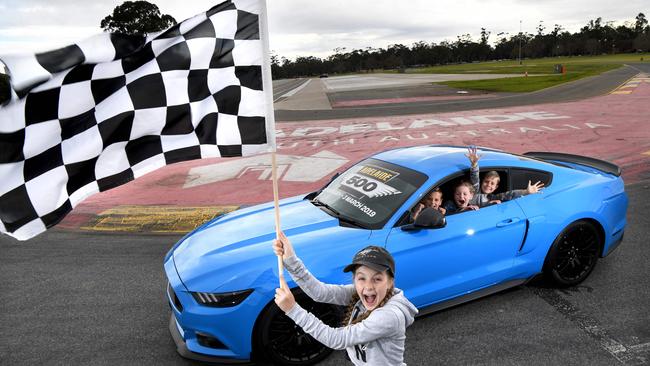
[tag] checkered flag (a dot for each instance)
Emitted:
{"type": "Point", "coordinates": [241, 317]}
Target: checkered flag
{"type": "Point", "coordinates": [92, 116]}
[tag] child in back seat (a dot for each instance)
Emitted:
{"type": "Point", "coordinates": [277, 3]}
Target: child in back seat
{"type": "Point", "coordinates": [485, 191]}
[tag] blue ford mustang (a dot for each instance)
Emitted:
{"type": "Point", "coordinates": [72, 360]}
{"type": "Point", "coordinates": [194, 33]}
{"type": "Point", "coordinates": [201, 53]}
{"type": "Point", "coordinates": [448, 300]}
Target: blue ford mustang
{"type": "Point", "coordinates": [222, 276]}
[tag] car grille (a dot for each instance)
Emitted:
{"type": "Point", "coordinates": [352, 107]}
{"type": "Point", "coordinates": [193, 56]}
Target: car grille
{"type": "Point", "coordinates": [174, 298]}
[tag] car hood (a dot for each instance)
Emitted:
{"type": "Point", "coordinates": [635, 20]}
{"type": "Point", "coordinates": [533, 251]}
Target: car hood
{"type": "Point", "coordinates": [234, 252]}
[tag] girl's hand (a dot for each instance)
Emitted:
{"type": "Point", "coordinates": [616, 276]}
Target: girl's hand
{"type": "Point", "coordinates": [283, 297]}
{"type": "Point", "coordinates": [534, 188]}
{"type": "Point", "coordinates": [472, 155]}
{"type": "Point", "coordinates": [442, 210]}
{"type": "Point", "coordinates": [283, 247]}
{"type": "Point", "coordinates": [471, 208]}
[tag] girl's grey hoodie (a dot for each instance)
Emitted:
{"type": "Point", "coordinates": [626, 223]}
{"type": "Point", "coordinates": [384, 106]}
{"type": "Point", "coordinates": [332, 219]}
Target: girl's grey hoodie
{"type": "Point", "coordinates": [377, 340]}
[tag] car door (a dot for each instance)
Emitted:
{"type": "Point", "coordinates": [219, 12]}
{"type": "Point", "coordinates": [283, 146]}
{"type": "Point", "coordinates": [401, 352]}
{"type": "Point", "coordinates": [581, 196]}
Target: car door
{"type": "Point", "coordinates": [475, 249]}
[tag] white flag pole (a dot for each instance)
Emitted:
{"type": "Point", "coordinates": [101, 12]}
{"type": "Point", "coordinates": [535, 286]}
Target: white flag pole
{"type": "Point", "coordinates": [268, 87]}
{"type": "Point", "coordinates": [274, 173]}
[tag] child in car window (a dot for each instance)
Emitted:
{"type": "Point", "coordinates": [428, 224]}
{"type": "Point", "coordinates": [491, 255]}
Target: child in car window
{"type": "Point", "coordinates": [463, 198]}
{"type": "Point", "coordinates": [485, 191]}
{"type": "Point", "coordinates": [433, 200]}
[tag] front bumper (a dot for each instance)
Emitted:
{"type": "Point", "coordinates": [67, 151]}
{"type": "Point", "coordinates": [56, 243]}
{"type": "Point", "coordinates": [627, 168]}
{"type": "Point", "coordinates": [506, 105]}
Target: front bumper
{"type": "Point", "coordinates": [181, 348]}
{"type": "Point", "coordinates": [191, 324]}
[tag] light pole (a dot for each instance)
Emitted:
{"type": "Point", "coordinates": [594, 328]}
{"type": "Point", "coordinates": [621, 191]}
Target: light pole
{"type": "Point", "coordinates": [520, 42]}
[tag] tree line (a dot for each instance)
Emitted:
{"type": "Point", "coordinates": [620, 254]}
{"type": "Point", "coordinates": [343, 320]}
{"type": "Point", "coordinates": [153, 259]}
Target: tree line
{"type": "Point", "coordinates": [595, 38]}
{"type": "Point", "coordinates": [131, 17]}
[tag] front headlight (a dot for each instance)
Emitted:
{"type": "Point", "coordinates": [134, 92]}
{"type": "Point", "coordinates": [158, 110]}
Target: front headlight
{"type": "Point", "coordinates": [222, 300]}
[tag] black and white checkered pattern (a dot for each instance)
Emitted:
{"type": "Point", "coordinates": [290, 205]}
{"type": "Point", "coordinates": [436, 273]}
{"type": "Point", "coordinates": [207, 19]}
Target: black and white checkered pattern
{"type": "Point", "coordinates": [95, 115]}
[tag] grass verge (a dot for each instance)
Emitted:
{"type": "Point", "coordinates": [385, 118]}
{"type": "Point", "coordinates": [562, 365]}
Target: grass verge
{"type": "Point", "coordinates": [541, 71]}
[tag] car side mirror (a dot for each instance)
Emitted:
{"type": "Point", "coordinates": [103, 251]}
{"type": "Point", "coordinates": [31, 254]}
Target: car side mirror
{"type": "Point", "coordinates": [428, 218]}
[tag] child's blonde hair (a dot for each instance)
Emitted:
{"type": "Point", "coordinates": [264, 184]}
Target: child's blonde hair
{"type": "Point", "coordinates": [492, 174]}
{"type": "Point", "coordinates": [466, 184]}
{"type": "Point", "coordinates": [435, 190]}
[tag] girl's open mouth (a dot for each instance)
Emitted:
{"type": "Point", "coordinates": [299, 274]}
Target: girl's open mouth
{"type": "Point", "coordinates": [370, 300]}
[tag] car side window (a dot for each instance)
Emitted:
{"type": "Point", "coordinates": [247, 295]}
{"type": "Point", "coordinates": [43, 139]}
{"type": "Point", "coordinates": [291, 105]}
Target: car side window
{"type": "Point", "coordinates": [448, 187]}
{"type": "Point", "coordinates": [503, 179]}
{"type": "Point", "coordinates": [519, 178]}
{"type": "Point", "coordinates": [408, 217]}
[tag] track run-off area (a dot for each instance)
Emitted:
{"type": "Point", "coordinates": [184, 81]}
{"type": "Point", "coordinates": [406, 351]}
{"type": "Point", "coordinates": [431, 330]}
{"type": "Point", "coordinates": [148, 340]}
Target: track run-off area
{"type": "Point", "coordinates": [91, 291]}
{"type": "Point", "coordinates": [612, 127]}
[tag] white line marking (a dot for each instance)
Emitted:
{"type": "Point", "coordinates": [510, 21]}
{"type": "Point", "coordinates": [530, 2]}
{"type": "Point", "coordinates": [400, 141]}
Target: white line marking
{"type": "Point", "coordinates": [295, 90]}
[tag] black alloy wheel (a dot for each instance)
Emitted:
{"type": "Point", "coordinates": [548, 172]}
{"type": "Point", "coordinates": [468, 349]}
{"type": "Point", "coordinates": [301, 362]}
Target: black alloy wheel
{"type": "Point", "coordinates": [282, 342]}
{"type": "Point", "coordinates": [573, 255]}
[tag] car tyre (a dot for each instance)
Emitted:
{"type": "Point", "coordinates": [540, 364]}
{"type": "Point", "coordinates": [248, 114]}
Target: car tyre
{"type": "Point", "coordinates": [280, 341]}
{"type": "Point", "coordinates": [573, 255]}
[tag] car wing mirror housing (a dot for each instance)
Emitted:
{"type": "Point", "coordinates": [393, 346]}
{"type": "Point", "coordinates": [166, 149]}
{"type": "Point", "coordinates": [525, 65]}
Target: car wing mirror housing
{"type": "Point", "coordinates": [428, 218]}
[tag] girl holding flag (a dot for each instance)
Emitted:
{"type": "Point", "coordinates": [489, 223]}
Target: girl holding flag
{"type": "Point", "coordinates": [373, 331]}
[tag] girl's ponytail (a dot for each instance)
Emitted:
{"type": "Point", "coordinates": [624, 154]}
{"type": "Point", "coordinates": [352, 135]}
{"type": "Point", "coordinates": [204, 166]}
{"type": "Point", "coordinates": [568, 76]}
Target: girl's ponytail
{"type": "Point", "coordinates": [350, 309]}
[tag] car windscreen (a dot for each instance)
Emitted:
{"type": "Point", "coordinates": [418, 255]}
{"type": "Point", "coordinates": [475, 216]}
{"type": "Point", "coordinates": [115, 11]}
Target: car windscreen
{"type": "Point", "coordinates": [369, 193]}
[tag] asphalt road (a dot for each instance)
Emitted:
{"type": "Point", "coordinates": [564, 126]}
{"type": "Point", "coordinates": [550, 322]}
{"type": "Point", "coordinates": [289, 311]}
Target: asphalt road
{"type": "Point", "coordinates": [282, 87]}
{"type": "Point", "coordinates": [70, 298]}
{"type": "Point", "coordinates": [581, 89]}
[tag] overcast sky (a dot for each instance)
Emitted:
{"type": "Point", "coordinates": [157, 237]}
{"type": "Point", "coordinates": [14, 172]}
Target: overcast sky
{"type": "Point", "coordinates": [316, 27]}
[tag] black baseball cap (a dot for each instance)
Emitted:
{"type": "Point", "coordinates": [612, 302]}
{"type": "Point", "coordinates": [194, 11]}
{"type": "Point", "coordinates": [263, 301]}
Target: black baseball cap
{"type": "Point", "coordinates": [374, 257]}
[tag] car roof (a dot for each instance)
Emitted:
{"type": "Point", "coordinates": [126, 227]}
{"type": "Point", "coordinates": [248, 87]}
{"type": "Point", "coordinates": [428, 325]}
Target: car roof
{"type": "Point", "coordinates": [435, 159]}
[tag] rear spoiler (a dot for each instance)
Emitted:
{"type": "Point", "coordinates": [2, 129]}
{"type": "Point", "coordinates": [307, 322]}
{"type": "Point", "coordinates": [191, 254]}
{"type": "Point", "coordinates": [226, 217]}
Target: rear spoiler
{"type": "Point", "coordinates": [601, 165]}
